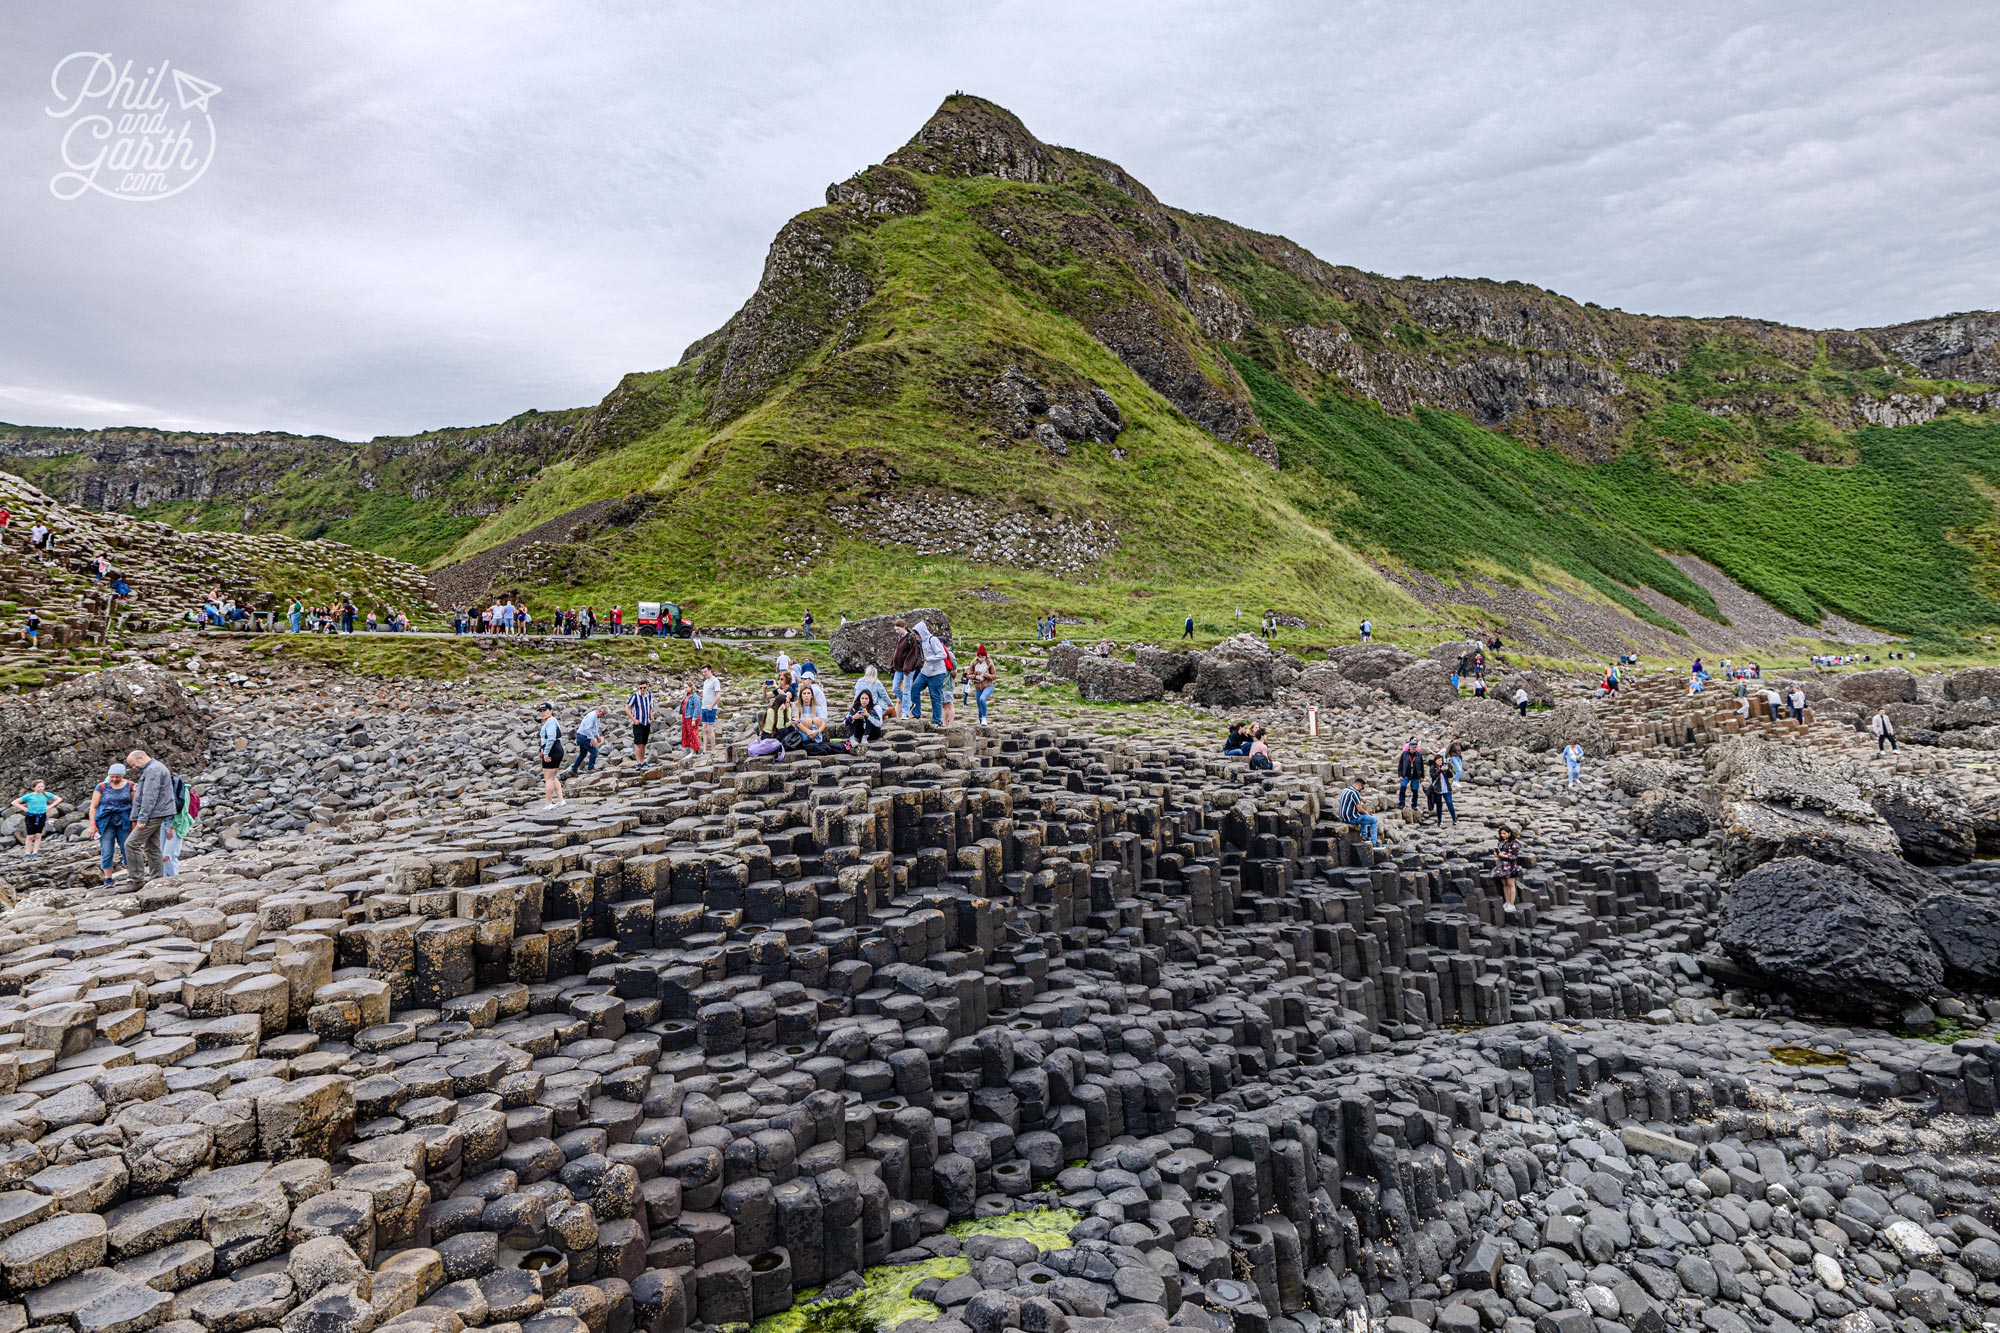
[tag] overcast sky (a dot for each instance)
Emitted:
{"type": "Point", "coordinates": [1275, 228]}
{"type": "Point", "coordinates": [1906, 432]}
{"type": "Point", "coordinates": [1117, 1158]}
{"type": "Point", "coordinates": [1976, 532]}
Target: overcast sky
{"type": "Point", "coordinates": [425, 214]}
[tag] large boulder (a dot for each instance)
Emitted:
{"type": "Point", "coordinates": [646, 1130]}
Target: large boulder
{"type": "Point", "coordinates": [1173, 669]}
{"type": "Point", "coordinates": [69, 733]}
{"type": "Point", "coordinates": [1242, 669]}
{"type": "Point", "coordinates": [1370, 663]}
{"type": "Point", "coordinates": [1933, 822]}
{"type": "Point", "coordinates": [1636, 777]}
{"type": "Point", "coordinates": [1830, 937]}
{"type": "Point", "coordinates": [1424, 686]}
{"type": "Point", "coordinates": [1872, 689]}
{"type": "Point", "coordinates": [1768, 798]}
{"type": "Point", "coordinates": [1063, 658]}
{"type": "Point", "coordinates": [1965, 931]}
{"type": "Point", "coordinates": [1485, 723]}
{"type": "Point", "coordinates": [1230, 682]}
{"type": "Point", "coordinates": [1554, 728]}
{"type": "Point", "coordinates": [1323, 685]}
{"type": "Point", "coordinates": [1661, 815]}
{"type": "Point", "coordinates": [1104, 680]}
{"type": "Point", "coordinates": [1978, 683]}
{"type": "Point", "coordinates": [872, 642]}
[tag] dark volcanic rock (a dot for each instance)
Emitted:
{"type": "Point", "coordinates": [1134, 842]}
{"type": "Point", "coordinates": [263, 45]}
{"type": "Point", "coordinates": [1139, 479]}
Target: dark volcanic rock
{"type": "Point", "coordinates": [1666, 816]}
{"type": "Point", "coordinates": [1875, 688]}
{"type": "Point", "coordinates": [1100, 680]}
{"type": "Point", "coordinates": [1932, 829]}
{"type": "Point", "coordinates": [1173, 669]}
{"type": "Point", "coordinates": [1826, 934]}
{"type": "Point", "coordinates": [70, 733]}
{"type": "Point", "coordinates": [1230, 682]}
{"type": "Point", "coordinates": [1966, 933]}
{"type": "Point", "coordinates": [1424, 686]}
{"type": "Point", "coordinates": [872, 642]}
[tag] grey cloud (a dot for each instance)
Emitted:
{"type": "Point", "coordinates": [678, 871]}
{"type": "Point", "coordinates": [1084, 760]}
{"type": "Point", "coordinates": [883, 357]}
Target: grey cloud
{"type": "Point", "coordinates": [445, 213]}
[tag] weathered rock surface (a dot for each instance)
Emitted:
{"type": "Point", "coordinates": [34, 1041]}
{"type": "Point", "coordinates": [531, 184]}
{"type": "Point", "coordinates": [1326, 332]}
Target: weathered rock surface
{"type": "Point", "coordinates": [1965, 930]}
{"type": "Point", "coordinates": [69, 733]}
{"type": "Point", "coordinates": [872, 641]}
{"type": "Point", "coordinates": [1667, 816]}
{"type": "Point", "coordinates": [1826, 934]}
{"type": "Point", "coordinates": [1105, 680]}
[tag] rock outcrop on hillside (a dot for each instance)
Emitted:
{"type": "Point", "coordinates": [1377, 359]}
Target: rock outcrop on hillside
{"type": "Point", "coordinates": [68, 734]}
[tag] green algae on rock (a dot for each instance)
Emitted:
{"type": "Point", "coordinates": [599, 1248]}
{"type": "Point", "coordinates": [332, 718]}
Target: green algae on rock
{"type": "Point", "coordinates": [885, 1299]}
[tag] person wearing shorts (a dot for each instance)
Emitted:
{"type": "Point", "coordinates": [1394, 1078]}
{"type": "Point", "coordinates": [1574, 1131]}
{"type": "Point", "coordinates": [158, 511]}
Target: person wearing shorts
{"type": "Point", "coordinates": [35, 805]}
{"type": "Point", "coordinates": [640, 709]}
{"type": "Point", "coordinates": [550, 739]}
{"type": "Point", "coordinates": [711, 699]}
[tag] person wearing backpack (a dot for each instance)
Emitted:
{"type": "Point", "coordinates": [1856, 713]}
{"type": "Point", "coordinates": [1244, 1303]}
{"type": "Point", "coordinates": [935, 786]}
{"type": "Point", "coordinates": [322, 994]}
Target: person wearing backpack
{"type": "Point", "coordinates": [187, 807]}
{"type": "Point", "coordinates": [153, 810]}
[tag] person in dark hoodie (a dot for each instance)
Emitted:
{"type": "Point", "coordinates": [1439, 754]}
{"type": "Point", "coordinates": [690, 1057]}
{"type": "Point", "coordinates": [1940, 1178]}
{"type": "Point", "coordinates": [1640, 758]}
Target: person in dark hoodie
{"type": "Point", "coordinates": [904, 664]}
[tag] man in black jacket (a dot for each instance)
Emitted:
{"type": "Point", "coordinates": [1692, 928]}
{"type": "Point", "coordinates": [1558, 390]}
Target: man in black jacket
{"type": "Point", "coordinates": [1410, 776]}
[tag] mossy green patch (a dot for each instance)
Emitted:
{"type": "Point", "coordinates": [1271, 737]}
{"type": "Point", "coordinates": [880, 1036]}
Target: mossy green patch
{"type": "Point", "coordinates": [885, 1299]}
{"type": "Point", "coordinates": [1802, 1057]}
{"type": "Point", "coordinates": [1048, 1228]}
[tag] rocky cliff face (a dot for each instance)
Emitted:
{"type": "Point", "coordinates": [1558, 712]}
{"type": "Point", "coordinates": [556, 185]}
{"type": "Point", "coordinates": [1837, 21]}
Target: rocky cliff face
{"type": "Point", "coordinates": [128, 468]}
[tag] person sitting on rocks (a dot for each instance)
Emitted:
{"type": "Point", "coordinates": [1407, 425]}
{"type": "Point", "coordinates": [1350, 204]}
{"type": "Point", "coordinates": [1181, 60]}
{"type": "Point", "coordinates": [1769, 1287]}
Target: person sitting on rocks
{"type": "Point", "coordinates": [1507, 864]}
{"type": "Point", "coordinates": [1260, 754]}
{"type": "Point", "coordinates": [1237, 742]}
{"type": "Point", "coordinates": [1351, 812]}
{"type": "Point", "coordinates": [811, 715]}
{"type": "Point", "coordinates": [774, 719]}
{"type": "Point", "coordinates": [866, 711]}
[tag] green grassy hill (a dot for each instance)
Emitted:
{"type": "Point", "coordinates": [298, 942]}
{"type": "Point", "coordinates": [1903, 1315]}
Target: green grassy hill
{"type": "Point", "coordinates": [1001, 376]}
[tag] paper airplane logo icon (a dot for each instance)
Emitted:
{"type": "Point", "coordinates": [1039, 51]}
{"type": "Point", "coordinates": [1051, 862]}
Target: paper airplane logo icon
{"type": "Point", "coordinates": [194, 93]}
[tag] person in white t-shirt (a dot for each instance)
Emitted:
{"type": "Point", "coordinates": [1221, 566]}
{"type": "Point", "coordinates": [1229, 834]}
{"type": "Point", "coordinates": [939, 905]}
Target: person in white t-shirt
{"type": "Point", "coordinates": [711, 698]}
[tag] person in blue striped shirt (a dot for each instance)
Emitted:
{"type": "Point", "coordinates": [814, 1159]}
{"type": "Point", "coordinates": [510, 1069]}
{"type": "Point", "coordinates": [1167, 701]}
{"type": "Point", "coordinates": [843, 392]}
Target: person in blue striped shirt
{"type": "Point", "coordinates": [640, 709]}
{"type": "Point", "coordinates": [1352, 813]}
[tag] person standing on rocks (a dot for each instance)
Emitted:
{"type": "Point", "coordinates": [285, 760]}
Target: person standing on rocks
{"type": "Point", "coordinates": [1351, 812]}
{"type": "Point", "coordinates": [1572, 757]}
{"type": "Point", "coordinates": [35, 805]}
{"type": "Point", "coordinates": [549, 740]}
{"type": "Point", "coordinates": [711, 701]}
{"type": "Point", "coordinates": [691, 720]}
{"type": "Point", "coordinates": [904, 663]}
{"type": "Point", "coordinates": [933, 673]}
{"type": "Point", "coordinates": [1795, 702]}
{"type": "Point", "coordinates": [1884, 729]}
{"type": "Point", "coordinates": [109, 819]}
{"type": "Point", "coordinates": [588, 728]}
{"type": "Point", "coordinates": [984, 676]}
{"type": "Point", "coordinates": [1439, 789]}
{"type": "Point", "coordinates": [1507, 864]}
{"type": "Point", "coordinates": [1410, 776]}
{"type": "Point", "coordinates": [1455, 752]}
{"type": "Point", "coordinates": [154, 805]}
{"type": "Point", "coordinates": [640, 709]}
{"type": "Point", "coordinates": [1521, 700]}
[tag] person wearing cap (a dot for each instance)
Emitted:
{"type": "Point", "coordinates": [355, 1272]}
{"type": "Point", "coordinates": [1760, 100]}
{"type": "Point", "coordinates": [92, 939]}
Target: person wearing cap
{"type": "Point", "coordinates": [551, 744]}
